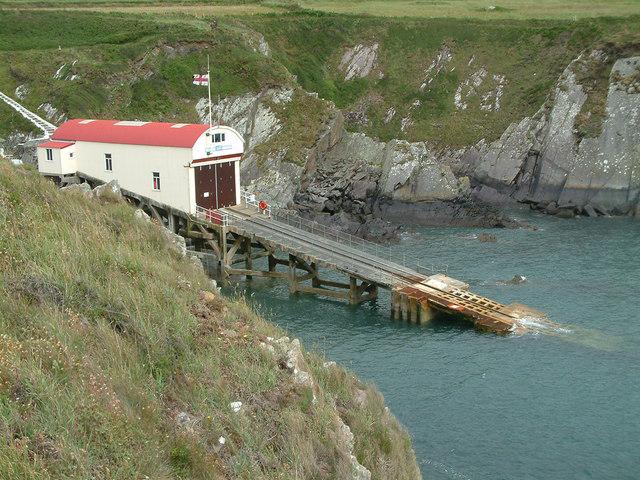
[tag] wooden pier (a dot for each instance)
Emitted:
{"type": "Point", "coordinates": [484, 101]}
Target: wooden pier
{"type": "Point", "coordinates": [302, 252]}
{"type": "Point", "coordinates": [302, 257]}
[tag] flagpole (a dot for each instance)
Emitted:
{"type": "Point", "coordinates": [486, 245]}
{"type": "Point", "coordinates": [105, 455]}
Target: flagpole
{"type": "Point", "coordinates": [209, 89]}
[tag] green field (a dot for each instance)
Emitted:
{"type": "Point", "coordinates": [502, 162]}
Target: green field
{"type": "Point", "coordinates": [479, 9]}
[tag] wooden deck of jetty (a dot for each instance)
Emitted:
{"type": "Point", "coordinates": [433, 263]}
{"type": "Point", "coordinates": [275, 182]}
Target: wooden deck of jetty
{"type": "Point", "coordinates": [300, 253]}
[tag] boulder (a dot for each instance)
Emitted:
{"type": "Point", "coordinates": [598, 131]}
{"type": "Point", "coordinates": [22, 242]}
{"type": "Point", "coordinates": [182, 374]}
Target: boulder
{"type": "Point", "coordinates": [487, 238]}
{"type": "Point", "coordinates": [600, 209]}
{"type": "Point", "coordinates": [108, 191]}
{"type": "Point", "coordinates": [83, 188]}
{"type": "Point", "coordinates": [294, 361]}
{"type": "Point", "coordinates": [590, 211]}
{"type": "Point", "coordinates": [176, 242]}
{"type": "Point", "coordinates": [516, 280]}
{"type": "Point", "coordinates": [565, 213]}
{"type": "Point", "coordinates": [141, 214]}
{"type": "Point", "coordinates": [552, 208]}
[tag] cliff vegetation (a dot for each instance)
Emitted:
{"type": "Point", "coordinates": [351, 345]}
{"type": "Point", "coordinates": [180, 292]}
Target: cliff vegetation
{"type": "Point", "coordinates": [119, 360]}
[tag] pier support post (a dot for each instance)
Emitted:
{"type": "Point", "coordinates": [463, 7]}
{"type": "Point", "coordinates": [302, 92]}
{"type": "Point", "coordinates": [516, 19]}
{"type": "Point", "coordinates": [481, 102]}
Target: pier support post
{"type": "Point", "coordinates": [413, 309]}
{"type": "Point", "coordinates": [315, 281]}
{"type": "Point", "coordinates": [272, 263]}
{"type": "Point", "coordinates": [224, 276]}
{"type": "Point", "coordinates": [292, 274]}
{"type": "Point", "coordinates": [172, 223]}
{"type": "Point", "coordinates": [426, 312]}
{"type": "Point", "coordinates": [248, 258]}
{"type": "Point", "coordinates": [354, 293]}
{"type": "Point", "coordinates": [404, 307]}
{"type": "Point", "coordinates": [395, 305]}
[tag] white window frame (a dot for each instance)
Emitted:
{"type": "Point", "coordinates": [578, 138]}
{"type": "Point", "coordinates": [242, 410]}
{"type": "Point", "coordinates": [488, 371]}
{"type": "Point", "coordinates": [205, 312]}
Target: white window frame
{"type": "Point", "coordinates": [49, 153]}
{"type": "Point", "coordinates": [155, 175]}
{"type": "Point", "coordinates": [108, 162]}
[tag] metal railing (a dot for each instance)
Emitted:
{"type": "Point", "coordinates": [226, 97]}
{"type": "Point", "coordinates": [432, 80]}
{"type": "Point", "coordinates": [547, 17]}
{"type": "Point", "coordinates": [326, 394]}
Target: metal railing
{"type": "Point", "coordinates": [378, 250]}
{"type": "Point", "coordinates": [212, 216]}
{"type": "Point", "coordinates": [249, 199]}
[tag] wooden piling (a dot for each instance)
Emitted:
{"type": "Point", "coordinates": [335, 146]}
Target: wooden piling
{"type": "Point", "coordinates": [248, 258]}
{"type": "Point", "coordinates": [395, 305]}
{"type": "Point", "coordinates": [293, 284]}
{"type": "Point", "coordinates": [404, 307]}
{"type": "Point", "coordinates": [354, 294]}
{"type": "Point", "coordinates": [413, 310]}
{"type": "Point", "coordinates": [426, 312]}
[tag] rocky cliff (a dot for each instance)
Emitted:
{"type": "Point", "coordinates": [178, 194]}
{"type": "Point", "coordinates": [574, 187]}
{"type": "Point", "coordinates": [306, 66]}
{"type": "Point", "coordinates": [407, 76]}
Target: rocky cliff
{"type": "Point", "coordinates": [357, 182]}
{"type": "Point", "coordinates": [545, 160]}
{"type": "Point", "coordinates": [414, 122]}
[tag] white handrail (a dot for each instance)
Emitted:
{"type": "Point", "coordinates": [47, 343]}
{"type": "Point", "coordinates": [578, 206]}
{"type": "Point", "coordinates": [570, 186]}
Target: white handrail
{"type": "Point", "coordinates": [249, 199]}
{"type": "Point", "coordinates": [212, 216]}
{"type": "Point", "coordinates": [378, 250]}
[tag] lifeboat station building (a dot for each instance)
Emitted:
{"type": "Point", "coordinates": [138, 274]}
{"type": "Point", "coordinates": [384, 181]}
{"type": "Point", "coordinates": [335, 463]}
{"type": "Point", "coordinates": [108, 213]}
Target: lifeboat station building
{"type": "Point", "coordinates": [175, 165]}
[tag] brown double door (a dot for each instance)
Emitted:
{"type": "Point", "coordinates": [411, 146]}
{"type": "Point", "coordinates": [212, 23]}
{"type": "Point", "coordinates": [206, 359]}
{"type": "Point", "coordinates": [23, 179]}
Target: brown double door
{"type": "Point", "coordinates": [216, 185]}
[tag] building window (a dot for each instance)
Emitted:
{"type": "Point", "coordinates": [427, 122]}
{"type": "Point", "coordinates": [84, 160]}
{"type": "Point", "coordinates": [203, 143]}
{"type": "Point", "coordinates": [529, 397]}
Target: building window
{"type": "Point", "coordinates": [49, 154]}
{"type": "Point", "coordinates": [218, 137]}
{"type": "Point", "coordinates": [156, 180]}
{"type": "Point", "coordinates": [108, 164]}
{"type": "Point", "coordinates": [70, 154]}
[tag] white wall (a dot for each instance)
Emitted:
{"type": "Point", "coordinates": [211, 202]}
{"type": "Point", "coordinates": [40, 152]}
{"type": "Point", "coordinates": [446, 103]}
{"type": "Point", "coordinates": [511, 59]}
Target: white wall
{"type": "Point", "coordinates": [63, 163]}
{"type": "Point", "coordinates": [206, 148]}
{"type": "Point", "coordinates": [133, 167]}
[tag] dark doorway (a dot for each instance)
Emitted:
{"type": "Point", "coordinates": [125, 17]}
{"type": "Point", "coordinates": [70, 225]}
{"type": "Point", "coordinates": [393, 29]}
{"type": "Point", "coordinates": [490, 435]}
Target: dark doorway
{"type": "Point", "coordinates": [226, 181]}
{"type": "Point", "coordinates": [215, 185]}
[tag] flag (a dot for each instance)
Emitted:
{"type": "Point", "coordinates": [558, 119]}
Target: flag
{"type": "Point", "coordinates": [202, 80]}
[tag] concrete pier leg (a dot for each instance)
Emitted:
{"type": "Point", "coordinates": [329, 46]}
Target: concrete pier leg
{"type": "Point", "coordinates": [404, 307]}
{"type": "Point", "coordinates": [354, 296]}
{"type": "Point", "coordinates": [292, 274]}
{"type": "Point", "coordinates": [315, 281]}
{"type": "Point", "coordinates": [224, 276]}
{"type": "Point", "coordinates": [173, 224]}
{"type": "Point", "coordinates": [426, 313]}
{"type": "Point", "coordinates": [413, 310]}
{"type": "Point", "coordinates": [395, 305]}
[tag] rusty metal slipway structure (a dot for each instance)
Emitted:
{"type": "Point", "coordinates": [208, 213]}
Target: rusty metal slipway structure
{"type": "Point", "coordinates": [303, 252]}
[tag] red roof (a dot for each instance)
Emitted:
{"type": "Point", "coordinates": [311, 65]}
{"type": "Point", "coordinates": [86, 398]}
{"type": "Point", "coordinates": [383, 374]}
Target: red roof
{"type": "Point", "coordinates": [130, 133]}
{"type": "Point", "coordinates": [54, 144]}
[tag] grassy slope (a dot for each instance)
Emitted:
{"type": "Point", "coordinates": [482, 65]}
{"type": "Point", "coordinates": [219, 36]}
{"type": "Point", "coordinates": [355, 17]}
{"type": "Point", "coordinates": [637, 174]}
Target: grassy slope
{"type": "Point", "coordinates": [105, 338]}
{"type": "Point", "coordinates": [530, 54]}
{"type": "Point", "coordinates": [126, 71]}
{"type": "Point", "coordinates": [123, 70]}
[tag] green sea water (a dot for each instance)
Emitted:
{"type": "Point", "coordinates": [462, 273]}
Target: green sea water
{"type": "Point", "coordinates": [559, 402]}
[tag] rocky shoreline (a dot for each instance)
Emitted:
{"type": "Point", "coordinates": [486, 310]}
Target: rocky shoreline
{"type": "Point", "coordinates": [371, 188]}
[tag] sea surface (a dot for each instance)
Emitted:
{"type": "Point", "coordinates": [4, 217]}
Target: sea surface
{"type": "Point", "coordinates": [560, 402]}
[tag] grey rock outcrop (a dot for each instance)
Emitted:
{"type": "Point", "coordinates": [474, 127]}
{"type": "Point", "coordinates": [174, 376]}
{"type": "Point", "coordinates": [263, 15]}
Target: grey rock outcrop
{"type": "Point", "coordinates": [82, 188]}
{"type": "Point", "coordinates": [359, 61]}
{"type": "Point", "coordinates": [253, 115]}
{"type": "Point", "coordinates": [412, 173]}
{"type": "Point", "coordinates": [110, 191]}
{"type": "Point", "coordinates": [543, 159]}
